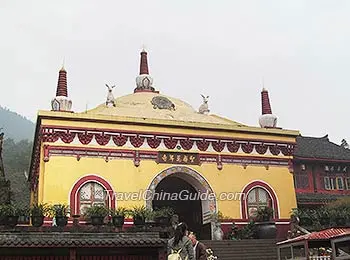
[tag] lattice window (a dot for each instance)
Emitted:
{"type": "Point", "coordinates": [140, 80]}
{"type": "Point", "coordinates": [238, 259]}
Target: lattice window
{"type": "Point", "coordinates": [347, 182]}
{"type": "Point", "coordinates": [301, 180]}
{"type": "Point", "coordinates": [257, 198]}
{"type": "Point", "coordinates": [340, 183]}
{"type": "Point", "coordinates": [91, 194]}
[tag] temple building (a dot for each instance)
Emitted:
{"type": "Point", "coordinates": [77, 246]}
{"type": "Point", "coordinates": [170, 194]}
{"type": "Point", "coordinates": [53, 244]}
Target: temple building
{"type": "Point", "coordinates": [149, 144]}
{"type": "Point", "coordinates": [321, 171]}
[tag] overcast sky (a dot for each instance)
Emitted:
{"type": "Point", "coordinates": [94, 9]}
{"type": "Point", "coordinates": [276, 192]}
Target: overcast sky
{"type": "Point", "coordinates": [219, 48]}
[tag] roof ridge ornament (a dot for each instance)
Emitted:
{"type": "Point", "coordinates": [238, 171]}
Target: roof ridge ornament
{"type": "Point", "coordinates": [267, 119]}
{"type": "Point", "coordinates": [110, 97]}
{"type": "Point", "coordinates": [61, 102]}
{"type": "Point", "coordinates": [204, 107]}
{"type": "Point", "coordinates": [144, 81]}
{"type": "Point", "coordinates": [162, 102]}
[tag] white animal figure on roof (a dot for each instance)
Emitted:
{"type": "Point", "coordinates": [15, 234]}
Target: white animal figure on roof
{"type": "Point", "coordinates": [110, 98]}
{"type": "Point", "coordinates": [204, 108]}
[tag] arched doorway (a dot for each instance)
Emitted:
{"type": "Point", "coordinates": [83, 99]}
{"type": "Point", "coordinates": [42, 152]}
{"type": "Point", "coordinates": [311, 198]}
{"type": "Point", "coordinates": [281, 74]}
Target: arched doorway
{"type": "Point", "coordinates": [196, 201]}
{"type": "Point", "coordinates": [180, 195]}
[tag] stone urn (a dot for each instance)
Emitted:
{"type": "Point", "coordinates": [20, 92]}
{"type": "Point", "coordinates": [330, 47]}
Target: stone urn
{"type": "Point", "coordinates": [218, 234]}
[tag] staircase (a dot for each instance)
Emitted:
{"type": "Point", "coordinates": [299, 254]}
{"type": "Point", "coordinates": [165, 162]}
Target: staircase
{"type": "Point", "coordinates": [251, 249]}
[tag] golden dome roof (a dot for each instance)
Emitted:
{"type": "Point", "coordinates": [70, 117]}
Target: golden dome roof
{"type": "Point", "coordinates": [152, 105]}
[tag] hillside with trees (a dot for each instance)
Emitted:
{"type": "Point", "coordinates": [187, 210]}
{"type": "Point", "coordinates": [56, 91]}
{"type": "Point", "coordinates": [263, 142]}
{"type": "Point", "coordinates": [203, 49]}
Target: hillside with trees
{"type": "Point", "coordinates": [15, 126]}
{"type": "Point", "coordinates": [16, 158]}
{"type": "Point", "coordinates": [16, 153]}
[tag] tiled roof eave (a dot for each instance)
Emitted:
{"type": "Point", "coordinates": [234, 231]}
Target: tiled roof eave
{"type": "Point", "coordinates": [35, 239]}
{"type": "Point", "coordinates": [303, 158]}
{"type": "Point", "coordinates": [104, 244]}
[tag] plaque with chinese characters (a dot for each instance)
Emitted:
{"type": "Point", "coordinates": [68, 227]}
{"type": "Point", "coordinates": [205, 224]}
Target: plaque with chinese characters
{"type": "Point", "coordinates": [178, 158]}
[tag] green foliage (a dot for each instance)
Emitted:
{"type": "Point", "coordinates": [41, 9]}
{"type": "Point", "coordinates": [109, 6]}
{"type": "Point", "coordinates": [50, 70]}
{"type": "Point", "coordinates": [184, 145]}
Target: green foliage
{"type": "Point", "coordinates": [343, 203]}
{"type": "Point", "coordinates": [247, 232]}
{"type": "Point", "coordinates": [323, 217]}
{"type": "Point", "coordinates": [164, 212]}
{"type": "Point", "coordinates": [13, 210]}
{"type": "Point", "coordinates": [141, 211]}
{"type": "Point", "coordinates": [219, 217]}
{"type": "Point", "coordinates": [120, 211]}
{"type": "Point", "coordinates": [97, 211]}
{"type": "Point", "coordinates": [59, 210]}
{"type": "Point", "coordinates": [16, 159]}
{"type": "Point", "coordinates": [264, 214]}
{"type": "Point", "coordinates": [38, 210]}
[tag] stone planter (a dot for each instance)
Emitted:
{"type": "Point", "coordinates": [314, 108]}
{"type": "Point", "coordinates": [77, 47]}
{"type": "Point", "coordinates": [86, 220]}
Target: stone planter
{"type": "Point", "coordinates": [118, 221]}
{"type": "Point", "coordinates": [266, 230]}
{"type": "Point", "coordinates": [11, 221]}
{"type": "Point", "coordinates": [61, 221]}
{"type": "Point", "coordinates": [97, 220]}
{"type": "Point", "coordinates": [37, 221]}
{"type": "Point", "coordinates": [139, 221]}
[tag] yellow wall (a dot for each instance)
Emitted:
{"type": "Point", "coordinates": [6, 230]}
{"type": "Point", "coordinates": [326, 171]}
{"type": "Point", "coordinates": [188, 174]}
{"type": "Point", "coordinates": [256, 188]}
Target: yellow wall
{"type": "Point", "coordinates": [58, 176]}
{"type": "Point", "coordinates": [62, 172]}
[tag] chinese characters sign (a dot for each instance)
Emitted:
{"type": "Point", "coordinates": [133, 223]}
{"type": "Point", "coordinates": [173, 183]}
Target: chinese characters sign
{"type": "Point", "coordinates": [178, 158]}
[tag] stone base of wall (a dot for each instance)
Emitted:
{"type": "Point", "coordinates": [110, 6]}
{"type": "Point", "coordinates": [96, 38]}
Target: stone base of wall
{"type": "Point", "coordinates": [251, 249]}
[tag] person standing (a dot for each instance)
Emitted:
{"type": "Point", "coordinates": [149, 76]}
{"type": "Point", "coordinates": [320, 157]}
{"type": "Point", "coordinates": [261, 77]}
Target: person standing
{"type": "Point", "coordinates": [180, 244]}
{"type": "Point", "coordinates": [199, 248]}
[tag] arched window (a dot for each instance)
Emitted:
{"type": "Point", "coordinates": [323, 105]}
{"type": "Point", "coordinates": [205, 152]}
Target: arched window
{"type": "Point", "coordinates": [258, 194]}
{"type": "Point", "coordinates": [91, 190]}
{"type": "Point", "coordinates": [91, 194]}
{"type": "Point", "coordinates": [257, 198]}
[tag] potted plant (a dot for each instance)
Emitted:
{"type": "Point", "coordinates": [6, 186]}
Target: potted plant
{"type": "Point", "coordinates": [60, 212]}
{"type": "Point", "coordinates": [139, 214]}
{"type": "Point", "coordinates": [11, 215]}
{"type": "Point", "coordinates": [162, 216]}
{"type": "Point", "coordinates": [265, 227]}
{"type": "Point", "coordinates": [118, 216]}
{"type": "Point", "coordinates": [37, 213]}
{"type": "Point", "coordinates": [97, 214]}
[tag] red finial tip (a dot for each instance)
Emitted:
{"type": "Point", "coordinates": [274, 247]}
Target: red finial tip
{"type": "Point", "coordinates": [62, 83]}
{"type": "Point", "coordinates": [265, 102]}
{"type": "Point", "coordinates": [143, 63]}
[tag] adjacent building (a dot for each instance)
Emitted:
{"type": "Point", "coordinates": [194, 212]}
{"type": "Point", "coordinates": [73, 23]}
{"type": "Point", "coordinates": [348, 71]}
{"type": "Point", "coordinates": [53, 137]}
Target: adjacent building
{"type": "Point", "coordinates": [321, 171]}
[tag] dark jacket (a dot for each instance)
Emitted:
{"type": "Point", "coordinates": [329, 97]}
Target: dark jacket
{"type": "Point", "coordinates": [201, 253]}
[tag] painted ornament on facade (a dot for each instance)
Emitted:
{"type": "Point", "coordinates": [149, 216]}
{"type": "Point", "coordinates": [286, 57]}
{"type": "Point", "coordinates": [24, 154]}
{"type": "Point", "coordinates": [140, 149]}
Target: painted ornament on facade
{"type": "Point", "coordinates": [162, 103]}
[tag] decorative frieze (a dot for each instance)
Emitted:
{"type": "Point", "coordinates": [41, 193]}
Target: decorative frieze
{"type": "Point", "coordinates": [160, 141]}
{"type": "Point", "coordinates": [182, 158]}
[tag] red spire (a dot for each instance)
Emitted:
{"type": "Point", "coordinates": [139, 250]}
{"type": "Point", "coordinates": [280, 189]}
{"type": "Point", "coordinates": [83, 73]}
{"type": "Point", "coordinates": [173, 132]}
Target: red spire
{"type": "Point", "coordinates": [143, 63]}
{"type": "Point", "coordinates": [265, 102]}
{"type": "Point", "coordinates": [62, 83]}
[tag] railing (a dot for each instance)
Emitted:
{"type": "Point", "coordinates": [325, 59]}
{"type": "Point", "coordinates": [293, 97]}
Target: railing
{"type": "Point", "coordinates": [320, 257]}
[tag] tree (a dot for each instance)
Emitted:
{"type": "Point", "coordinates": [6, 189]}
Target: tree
{"type": "Point", "coordinates": [16, 158]}
{"type": "Point", "coordinates": [344, 144]}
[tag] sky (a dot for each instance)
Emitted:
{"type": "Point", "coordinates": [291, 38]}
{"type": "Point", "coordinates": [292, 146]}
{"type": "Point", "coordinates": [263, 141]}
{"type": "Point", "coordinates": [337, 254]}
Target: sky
{"type": "Point", "coordinates": [226, 49]}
